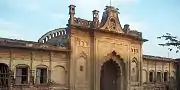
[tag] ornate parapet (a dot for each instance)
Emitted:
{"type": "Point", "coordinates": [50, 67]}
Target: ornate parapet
{"type": "Point", "coordinates": [82, 22]}
{"type": "Point", "coordinates": [134, 33]}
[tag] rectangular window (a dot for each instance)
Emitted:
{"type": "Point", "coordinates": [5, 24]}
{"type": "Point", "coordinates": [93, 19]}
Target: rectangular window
{"type": "Point", "coordinates": [41, 75]}
{"type": "Point", "coordinates": [22, 75]}
{"type": "Point", "coordinates": [165, 76]}
{"type": "Point", "coordinates": [151, 77]}
{"type": "Point", "coordinates": [158, 78]}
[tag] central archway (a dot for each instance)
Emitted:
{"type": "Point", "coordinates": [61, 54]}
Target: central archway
{"type": "Point", "coordinates": [110, 76]}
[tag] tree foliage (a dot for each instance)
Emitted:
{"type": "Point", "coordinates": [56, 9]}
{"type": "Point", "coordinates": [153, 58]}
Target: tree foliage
{"type": "Point", "coordinates": [171, 41]}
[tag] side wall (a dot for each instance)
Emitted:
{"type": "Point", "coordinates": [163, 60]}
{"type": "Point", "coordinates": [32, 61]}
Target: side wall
{"type": "Point", "coordinates": [158, 81]}
{"type": "Point", "coordinates": [55, 62]}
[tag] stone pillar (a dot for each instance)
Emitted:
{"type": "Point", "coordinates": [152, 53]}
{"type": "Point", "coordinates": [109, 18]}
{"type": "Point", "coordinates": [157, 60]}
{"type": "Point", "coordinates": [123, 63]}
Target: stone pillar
{"type": "Point", "coordinates": [11, 74]}
{"type": "Point", "coordinates": [32, 71]}
{"type": "Point", "coordinates": [49, 69]}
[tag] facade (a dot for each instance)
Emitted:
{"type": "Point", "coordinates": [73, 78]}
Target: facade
{"type": "Point", "coordinates": [86, 55]}
{"type": "Point", "coordinates": [159, 73]}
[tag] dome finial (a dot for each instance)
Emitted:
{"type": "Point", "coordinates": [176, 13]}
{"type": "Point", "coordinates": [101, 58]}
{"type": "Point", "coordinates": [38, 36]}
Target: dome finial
{"type": "Point", "coordinates": [110, 2]}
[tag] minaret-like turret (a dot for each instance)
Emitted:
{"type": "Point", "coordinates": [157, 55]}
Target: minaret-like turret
{"type": "Point", "coordinates": [95, 18]}
{"type": "Point", "coordinates": [126, 28]}
{"type": "Point", "coordinates": [71, 13]}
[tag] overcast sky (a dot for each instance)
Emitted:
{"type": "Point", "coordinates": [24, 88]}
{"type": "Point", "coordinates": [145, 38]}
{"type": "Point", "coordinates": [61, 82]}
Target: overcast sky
{"type": "Point", "coordinates": [30, 19]}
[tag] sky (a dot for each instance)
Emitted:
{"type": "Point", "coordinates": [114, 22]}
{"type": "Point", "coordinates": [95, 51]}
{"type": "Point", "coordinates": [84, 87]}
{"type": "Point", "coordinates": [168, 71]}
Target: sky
{"type": "Point", "coordinates": [30, 19]}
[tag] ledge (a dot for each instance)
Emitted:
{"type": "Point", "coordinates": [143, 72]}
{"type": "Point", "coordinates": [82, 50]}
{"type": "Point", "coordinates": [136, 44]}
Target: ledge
{"type": "Point", "coordinates": [13, 43]}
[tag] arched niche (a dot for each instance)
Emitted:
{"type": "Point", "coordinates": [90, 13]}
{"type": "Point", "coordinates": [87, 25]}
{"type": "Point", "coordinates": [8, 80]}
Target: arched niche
{"type": "Point", "coordinates": [144, 75]}
{"type": "Point", "coordinates": [81, 68]}
{"type": "Point", "coordinates": [59, 75]}
{"type": "Point", "coordinates": [151, 76]}
{"type": "Point", "coordinates": [159, 76]}
{"type": "Point", "coordinates": [134, 70]}
{"type": "Point", "coordinates": [165, 75]}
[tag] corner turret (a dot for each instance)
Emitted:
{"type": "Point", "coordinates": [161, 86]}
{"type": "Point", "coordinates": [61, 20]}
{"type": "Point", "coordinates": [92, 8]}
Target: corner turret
{"type": "Point", "coordinates": [95, 18]}
{"type": "Point", "coordinates": [71, 13]}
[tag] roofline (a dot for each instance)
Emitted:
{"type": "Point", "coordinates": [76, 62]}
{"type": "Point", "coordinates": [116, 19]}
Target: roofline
{"type": "Point", "coordinates": [104, 31]}
{"type": "Point", "coordinates": [150, 57]}
{"type": "Point", "coordinates": [13, 43]}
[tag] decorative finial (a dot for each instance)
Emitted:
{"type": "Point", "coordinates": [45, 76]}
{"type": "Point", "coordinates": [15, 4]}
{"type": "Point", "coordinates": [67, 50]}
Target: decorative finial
{"type": "Point", "coordinates": [110, 2]}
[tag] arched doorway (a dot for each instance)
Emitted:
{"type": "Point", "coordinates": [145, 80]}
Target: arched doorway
{"type": "Point", "coordinates": [110, 76]}
{"type": "Point", "coordinates": [4, 76]}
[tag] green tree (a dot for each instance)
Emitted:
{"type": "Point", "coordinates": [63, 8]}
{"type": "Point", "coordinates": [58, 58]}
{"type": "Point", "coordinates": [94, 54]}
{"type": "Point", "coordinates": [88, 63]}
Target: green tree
{"type": "Point", "coordinates": [171, 41]}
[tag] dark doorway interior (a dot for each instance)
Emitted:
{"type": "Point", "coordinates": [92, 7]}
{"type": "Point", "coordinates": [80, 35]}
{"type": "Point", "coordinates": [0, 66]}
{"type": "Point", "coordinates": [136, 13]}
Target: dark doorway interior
{"type": "Point", "coordinates": [109, 76]}
{"type": "Point", "coordinates": [4, 76]}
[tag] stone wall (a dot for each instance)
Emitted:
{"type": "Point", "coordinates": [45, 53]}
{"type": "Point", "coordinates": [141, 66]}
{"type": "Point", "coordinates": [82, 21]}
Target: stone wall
{"type": "Point", "coordinates": [156, 69]}
{"type": "Point", "coordinates": [55, 63]}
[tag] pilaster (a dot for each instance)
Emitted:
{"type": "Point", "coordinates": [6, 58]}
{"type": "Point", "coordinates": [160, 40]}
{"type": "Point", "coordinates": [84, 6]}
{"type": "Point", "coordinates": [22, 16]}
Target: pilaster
{"type": "Point", "coordinates": [31, 70]}
{"type": "Point", "coordinates": [11, 74]}
{"type": "Point", "coordinates": [93, 62]}
{"type": "Point", "coordinates": [50, 68]}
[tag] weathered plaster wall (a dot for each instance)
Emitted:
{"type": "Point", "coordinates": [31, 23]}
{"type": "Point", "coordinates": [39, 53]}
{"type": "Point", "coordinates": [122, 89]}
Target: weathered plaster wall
{"type": "Point", "coordinates": [56, 62]}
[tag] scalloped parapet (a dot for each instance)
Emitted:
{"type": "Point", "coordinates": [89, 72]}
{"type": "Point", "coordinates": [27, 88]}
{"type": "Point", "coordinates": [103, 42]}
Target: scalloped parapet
{"type": "Point", "coordinates": [57, 37]}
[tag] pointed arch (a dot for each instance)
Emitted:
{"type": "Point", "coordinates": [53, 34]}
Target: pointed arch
{"type": "Point", "coordinates": [110, 61]}
{"type": "Point", "coordinates": [134, 70]}
{"type": "Point", "coordinates": [115, 57]}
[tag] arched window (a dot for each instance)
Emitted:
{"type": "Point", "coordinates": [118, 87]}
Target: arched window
{"type": "Point", "coordinates": [134, 70]}
{"type": "Point", "coordinates": [158, 76]}
{"type": "Point", "coordinates": [60, 33]}
{"type": "Point", "coordinates": [63, 32]}
{"type": "Point", "coordinates": [57, 33]}
{"type": "Point", "coordinates": [44, 40]}
{"type": "Point", "coordinates": [22, 74]}
{"type": "Point", "coordinates": [54, 34]}
{"type": "Point", "coordinates": [165, 76]}
{"type": "Point", "coordinates": [4, 72]}
{"type": "Point", "coordinates": [41, 74]}
{"type": "Point", "coordinates": [151, 76]}
{"type": "Point", "coordinates": [174, 74]}
{"type": "Point", "coordinates": [50, 36]}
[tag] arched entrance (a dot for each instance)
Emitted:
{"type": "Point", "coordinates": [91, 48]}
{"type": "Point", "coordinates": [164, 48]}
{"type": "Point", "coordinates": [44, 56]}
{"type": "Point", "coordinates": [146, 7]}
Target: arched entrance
{"type": "Point", "coordinates": [110, 76]}
{"type": "Point", "coordinates": [4, 76]}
